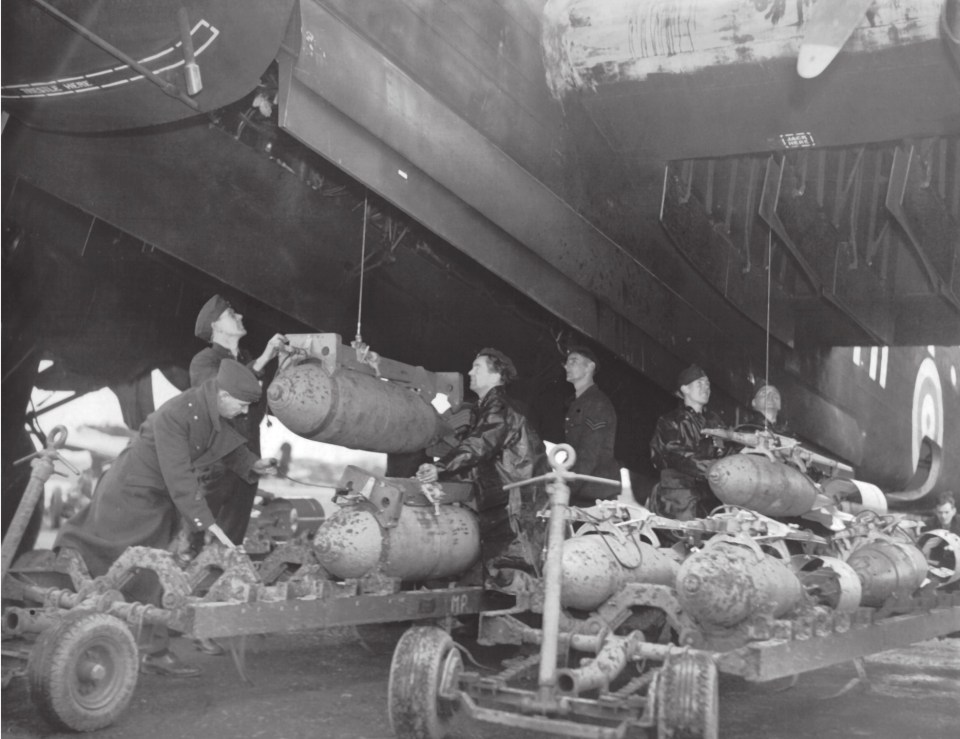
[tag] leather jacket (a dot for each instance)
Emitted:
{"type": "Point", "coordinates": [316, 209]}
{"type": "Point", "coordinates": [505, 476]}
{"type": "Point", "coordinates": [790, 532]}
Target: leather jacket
{"type": "Point", "coordinates": [678, 445]}
{"type": "Point", "coordinates": [500, 447]}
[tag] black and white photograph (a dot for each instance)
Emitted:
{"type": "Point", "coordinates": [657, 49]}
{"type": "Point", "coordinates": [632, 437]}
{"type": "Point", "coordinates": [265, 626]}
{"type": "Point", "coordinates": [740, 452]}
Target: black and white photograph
{"type": "Point", "coordinates": [480, 369]}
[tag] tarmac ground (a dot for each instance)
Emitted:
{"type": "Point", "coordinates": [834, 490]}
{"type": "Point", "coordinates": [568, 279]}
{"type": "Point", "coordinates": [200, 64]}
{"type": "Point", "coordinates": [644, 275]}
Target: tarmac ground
{"type": "Point", "coordinates": [333, 685]}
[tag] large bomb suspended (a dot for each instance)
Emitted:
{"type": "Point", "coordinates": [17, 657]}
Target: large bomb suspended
{"type": "Point", "coordinates": [327, 392]}
{"type": "Point", "coordinates": [386, 527]}
{"type": "Point", "coordinates": [731, 579]}
{"type": "Point", "coordinates": [599, 562]}
{"type": "Point", "coordinates": [762, 485]}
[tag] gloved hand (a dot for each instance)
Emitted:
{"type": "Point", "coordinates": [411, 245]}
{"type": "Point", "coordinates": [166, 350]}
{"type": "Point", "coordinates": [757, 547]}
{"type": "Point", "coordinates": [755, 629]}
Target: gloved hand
{"type": "Point", "coordinates": [187, 545]}
{"type": "Point", "coordinates": [427, 472]}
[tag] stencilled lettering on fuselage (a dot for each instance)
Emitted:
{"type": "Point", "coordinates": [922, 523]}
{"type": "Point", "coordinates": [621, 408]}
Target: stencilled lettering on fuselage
{"type": "Point", "coordinates": [203, 35]}
{"type": "Point", "coordinates": [876, 359]}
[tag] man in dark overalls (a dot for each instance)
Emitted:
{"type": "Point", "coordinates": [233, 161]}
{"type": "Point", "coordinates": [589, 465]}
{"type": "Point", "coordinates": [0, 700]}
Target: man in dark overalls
{"type": "Point", "coordinates": [499, 448]}
{"type": "Point", "coordinates": [682, 454]}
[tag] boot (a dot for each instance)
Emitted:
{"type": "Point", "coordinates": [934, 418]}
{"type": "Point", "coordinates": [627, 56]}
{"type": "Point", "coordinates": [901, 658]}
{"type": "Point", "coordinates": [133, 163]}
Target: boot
{"type": "Point", "coordinates": [209, 646]}
{"type": "Point", "coordinates": [168, 664]}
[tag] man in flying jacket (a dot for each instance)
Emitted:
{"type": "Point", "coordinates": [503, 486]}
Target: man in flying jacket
{"type": "Point", "coordinates": [499, 447]}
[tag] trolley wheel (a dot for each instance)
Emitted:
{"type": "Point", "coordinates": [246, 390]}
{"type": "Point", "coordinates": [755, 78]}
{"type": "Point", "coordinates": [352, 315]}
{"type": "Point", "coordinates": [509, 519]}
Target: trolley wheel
{"type": "Point", "coordinates": [688, 698]}
{"type": "Point", "coordinates": [425, 662]}
{"type": "Point", "coordinates": [83, 672]}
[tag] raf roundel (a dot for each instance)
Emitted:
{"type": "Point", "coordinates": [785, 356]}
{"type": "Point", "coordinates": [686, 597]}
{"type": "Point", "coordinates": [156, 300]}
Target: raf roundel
{"type": "Point", "coordinates": [927, 413]}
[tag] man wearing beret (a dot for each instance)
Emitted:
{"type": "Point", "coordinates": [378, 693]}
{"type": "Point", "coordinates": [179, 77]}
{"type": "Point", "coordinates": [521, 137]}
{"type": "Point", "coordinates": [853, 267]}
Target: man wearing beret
{"type": "Point", "coordinates": [500, 447]}
{"type": "Point", "coordinates": [682, 454]}
{"type": "Point", "coordinates": [230, 497]}
{"type": "Point", "coordinates": [590, 427]}
{"type": "Point", "coordinates": [155, 486]}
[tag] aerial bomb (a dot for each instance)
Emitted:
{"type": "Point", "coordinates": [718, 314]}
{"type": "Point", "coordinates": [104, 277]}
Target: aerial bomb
{"type": "Point", "coordinates": [887, 568]}
{"type": "Point", "coordinates": [730, 579]}
{"type": "Point", "coordinates": [755, 482]}
{"type": "Point", "coordinates": [352, 409]}
{"type": "Point", "coordinates": [597, 565]}
{"type": "Point", "coordinates": [424, 542]}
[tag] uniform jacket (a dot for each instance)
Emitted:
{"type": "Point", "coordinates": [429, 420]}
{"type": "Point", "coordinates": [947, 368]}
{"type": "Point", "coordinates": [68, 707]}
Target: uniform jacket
{"type": "Point", "coordinates": [501, 447]}
{"type": "Point", "coordinates": [205, 364]}
{"type": "Point", "coordinates": [678, 445]}
{"type": "Point", "coordinates": [156, 480]}
{"type": "Point", "coordinates": [590, 427]}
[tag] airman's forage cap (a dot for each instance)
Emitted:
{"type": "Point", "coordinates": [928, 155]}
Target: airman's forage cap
{"type": "Point", "coordinates": [691, 373]}
{"type": "Point", "coordinates": [584, 351]}
{"type": "Point", "coordinates": [209, 313]}
{"type": "Point", "coordinates": [238, 380]}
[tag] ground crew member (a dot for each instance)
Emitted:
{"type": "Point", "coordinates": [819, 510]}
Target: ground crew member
{"type": "Point", "coordinates": [590, 427]}
{"type": "Point", "coordinates": [945, 514]}
{"type": "Point", "coordinates": [500, 447]}
{"type": "Point", "coordinates": [155, 486]}
{"type": "Point", "coordinates": [682, 454]}
{"type": "Point", "coordinates": [230, 497]}
{"type": "Point", "coordinates": [765, 411]}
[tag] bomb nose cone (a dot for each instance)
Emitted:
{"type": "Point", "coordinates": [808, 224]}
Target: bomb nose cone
{"type": "Point", "coordinates": [278, 392]}
{"type": "Point", "coordinates": [348, 544]}
{"type": "Point", "coordinates": [717, 472]}
{"type": "Point", "coordinates": [727, 474]}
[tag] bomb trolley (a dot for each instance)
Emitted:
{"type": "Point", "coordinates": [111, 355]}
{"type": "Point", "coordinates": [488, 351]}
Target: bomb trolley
{"type": "Point", "coordinates": [75, 637]}
{"type": "Point", "coordinates": [638, 672]}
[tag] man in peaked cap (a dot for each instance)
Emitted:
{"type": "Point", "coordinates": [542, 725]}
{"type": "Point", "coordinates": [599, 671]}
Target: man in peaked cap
{"type": "Point", "coordinates": [155, 485]}
{"type": "Point", "coordinates": [230, 497]}
{"type": "Point", "coordinates": [499, 447]}
{"type": "Point", "coordinates": [682, 454]}
{"type": "Point", "coordinates": [590, 427]}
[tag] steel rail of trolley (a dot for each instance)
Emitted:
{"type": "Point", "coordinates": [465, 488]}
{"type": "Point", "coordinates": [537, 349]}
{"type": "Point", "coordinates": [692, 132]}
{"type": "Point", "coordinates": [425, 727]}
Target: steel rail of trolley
{"type": "Point", "coordinates": [215, 597]}
{"type": "Point", "coordinates": [74, 636]}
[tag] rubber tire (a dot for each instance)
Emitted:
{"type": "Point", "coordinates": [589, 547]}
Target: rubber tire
{"type": "Point", "coordinates": [416, 709]}
{"type": "Point", "coordinates": [688, 698]}
{"type": "Point", "coordinates": [64, 697]}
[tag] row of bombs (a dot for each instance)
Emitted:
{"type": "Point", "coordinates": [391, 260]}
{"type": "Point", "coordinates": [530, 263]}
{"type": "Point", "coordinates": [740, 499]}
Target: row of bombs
{"type": "Point", "coordinates": [720, 585]}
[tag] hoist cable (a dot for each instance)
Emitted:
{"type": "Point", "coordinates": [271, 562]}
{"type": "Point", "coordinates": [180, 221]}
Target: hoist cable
{"type": "Point", "coordinates": [363, 264]}
{"type": "Point", "coordinates": [766, 359]}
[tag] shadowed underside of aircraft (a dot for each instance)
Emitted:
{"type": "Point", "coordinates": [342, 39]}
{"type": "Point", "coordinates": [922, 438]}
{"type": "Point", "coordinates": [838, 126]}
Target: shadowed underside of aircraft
{"type": "Point", "coordinates": [654, 177]}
